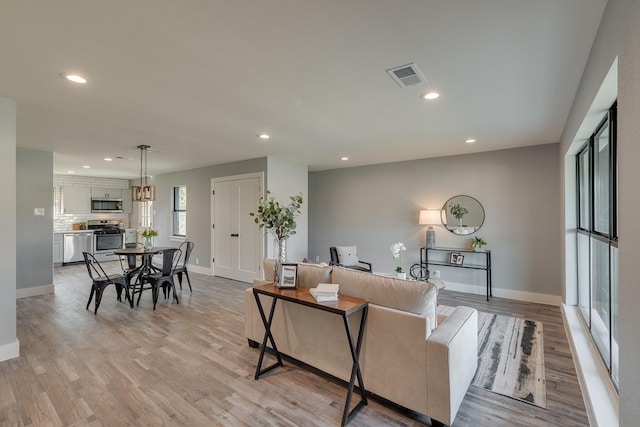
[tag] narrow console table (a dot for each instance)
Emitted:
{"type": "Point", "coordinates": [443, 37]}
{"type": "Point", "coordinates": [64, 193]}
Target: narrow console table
{"type": "Point", "coordinates": [481, 261]}
{"type": "Point", "coordinates": [345, 307]}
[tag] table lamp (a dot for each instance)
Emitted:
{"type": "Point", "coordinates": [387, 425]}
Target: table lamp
{"type": "Point", "coordinates": [430, 217]}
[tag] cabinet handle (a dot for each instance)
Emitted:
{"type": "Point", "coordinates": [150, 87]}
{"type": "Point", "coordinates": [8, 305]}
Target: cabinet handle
{"type": "Point", "coordinates": [235, 235]}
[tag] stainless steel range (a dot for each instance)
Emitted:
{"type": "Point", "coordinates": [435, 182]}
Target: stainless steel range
{"type": "Point", "coordinates": [107, 236]}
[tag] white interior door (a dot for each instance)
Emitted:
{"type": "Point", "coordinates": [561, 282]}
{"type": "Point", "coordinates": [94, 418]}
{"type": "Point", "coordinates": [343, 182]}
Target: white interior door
{"type": "Point", "coordinates": [236, 236]}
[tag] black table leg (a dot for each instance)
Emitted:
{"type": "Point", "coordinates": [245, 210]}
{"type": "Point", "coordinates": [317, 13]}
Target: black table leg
{"type": "Point", "coordinates": [267, 335]}
{"type": "Point", "coordinates": [355, 370]}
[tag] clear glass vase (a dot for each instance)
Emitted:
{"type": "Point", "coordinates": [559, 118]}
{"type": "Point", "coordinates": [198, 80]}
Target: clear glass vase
{"type": "Point", "coordinates": [280, 247]}
{"type": "Point", "coordinates": [148, 242]}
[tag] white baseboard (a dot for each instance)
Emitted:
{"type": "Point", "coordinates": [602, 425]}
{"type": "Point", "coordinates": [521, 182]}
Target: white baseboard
{"type": "Point", "coordinates": [600, 397]}
{"type": "Point", "coordinates": [200, 269]}
{"type": "Point", "coordinates": [506, 293]}
{"type": "Point", "coordinates": [35, 290]}
{"type": "Point", "coordinates": [10, 351]}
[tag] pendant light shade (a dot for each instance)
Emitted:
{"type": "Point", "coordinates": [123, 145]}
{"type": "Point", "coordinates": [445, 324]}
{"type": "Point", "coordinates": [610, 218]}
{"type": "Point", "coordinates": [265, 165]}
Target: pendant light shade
{"type": "Point", "coordinates": [143, 192]}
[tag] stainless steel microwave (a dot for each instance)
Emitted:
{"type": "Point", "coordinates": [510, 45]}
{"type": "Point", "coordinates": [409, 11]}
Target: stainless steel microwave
{"type": "Point", "coordinates": [101, 205]}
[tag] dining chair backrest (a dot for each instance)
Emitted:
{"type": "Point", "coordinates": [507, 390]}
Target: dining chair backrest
{"type": "Point", "coordinates": [186, 252]}
{"type": "Point", "coordinates": [170, 259]}
{"type": "Point", "coordinates": [131, 259]}
{"type": "Point", "coordinates": [94, 268]}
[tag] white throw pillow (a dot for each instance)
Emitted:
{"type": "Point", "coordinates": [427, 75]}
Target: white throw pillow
{"type": "Point", "coordinates": [347, 255]}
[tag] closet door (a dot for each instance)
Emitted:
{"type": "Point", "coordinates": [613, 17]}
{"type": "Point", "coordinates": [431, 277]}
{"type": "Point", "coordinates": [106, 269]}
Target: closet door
{"type": "Point", "coordinates": [235, 235]}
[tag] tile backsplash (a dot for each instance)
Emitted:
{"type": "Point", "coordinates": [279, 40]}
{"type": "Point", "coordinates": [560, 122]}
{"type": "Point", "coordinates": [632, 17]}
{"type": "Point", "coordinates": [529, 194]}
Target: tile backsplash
{"type": "Point", "coordinates": [64, 222]}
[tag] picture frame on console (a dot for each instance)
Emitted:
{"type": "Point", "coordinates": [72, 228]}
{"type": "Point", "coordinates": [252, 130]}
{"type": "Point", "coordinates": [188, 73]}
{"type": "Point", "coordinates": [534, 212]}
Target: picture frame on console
{"type": "Point", "coordinates": [288, 275]}
{"type": "Point", "coordinates": [456, 258]}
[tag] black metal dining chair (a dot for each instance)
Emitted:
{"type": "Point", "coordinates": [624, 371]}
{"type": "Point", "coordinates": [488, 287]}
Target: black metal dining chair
{"type": "Point", "coordinates": [130, 268]}
{"type": "Point", "coordinates": [101, 280]}
{"type": "Point", "coordinates": [162, 278]}
{"type": "Point", "coordinates": [182, 267]}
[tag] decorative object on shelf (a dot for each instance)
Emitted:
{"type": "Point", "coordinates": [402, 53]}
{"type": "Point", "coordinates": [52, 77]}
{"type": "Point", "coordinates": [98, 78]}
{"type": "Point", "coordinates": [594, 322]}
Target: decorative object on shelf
{"type": "Point", "coordinates": [462, 215]}
{"type": "Point", "coordinates": [148, 234]}
{"type": "Point", "coordinates": [143, 192]}
{"type": "Point", "coordinates": [477, 243]}
{"type": "Point", "coordinates": [419, 271]}
{"type": "Point", "coordinates": [288, 275]}
{"type": "Point", "coordinates": [430, 217]}
{"type": "Point", "coordinates": [280, 220]}
{"type": "Point", "coordinates": [456, 258]}
{"type": "Point", "coordinates": [396, 251]}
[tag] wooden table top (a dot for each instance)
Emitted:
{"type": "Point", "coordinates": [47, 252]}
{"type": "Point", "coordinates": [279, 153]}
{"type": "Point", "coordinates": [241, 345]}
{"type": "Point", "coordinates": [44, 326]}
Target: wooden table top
{"type": "Point", "coordinates": [301, 295]}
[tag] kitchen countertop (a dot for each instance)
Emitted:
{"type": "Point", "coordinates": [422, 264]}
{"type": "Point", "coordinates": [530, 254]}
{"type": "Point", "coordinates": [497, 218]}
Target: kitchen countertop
{"type": "Point", "coordinates": [73, 231]}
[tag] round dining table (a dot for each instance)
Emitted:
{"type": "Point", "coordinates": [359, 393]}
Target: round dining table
{"type": "Point", "coordinates": [145, 267]}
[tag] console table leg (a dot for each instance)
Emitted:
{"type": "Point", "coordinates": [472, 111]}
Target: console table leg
{"type": "Point", "coordinates": [267, 336]}
{"type": "Point", "coordinates": [355, 370]}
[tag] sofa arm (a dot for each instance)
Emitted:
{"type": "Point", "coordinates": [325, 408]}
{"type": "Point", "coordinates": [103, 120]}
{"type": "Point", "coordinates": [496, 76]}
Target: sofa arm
{"type": "Point", "coordinates": [452, 360]}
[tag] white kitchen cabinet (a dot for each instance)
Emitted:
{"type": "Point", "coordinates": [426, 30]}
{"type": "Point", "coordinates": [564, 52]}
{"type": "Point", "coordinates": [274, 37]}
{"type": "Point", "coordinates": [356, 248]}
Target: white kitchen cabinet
{"type": "Point", "coordinates": [76, 200]}
{"type": "Point", "coordinates": [57, 249]}
{"type": "Point", "coordinates": [127, 204]}
{"type": "Point", "coordinates": [106, 193]}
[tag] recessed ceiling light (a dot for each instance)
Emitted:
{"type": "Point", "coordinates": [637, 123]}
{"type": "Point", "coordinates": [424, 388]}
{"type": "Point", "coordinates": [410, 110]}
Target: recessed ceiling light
{"type": "Point", "coordinates": [263, 136]}
{"type": "Point", "coordinates": [344, 158]}
{"type": "Point", "coordinates": [74, 78]}
{"type": "Point", "coordinates": [430, 95]}
{"type": "Point", "coordinates": [108, 159]}
{"type": "Point", "coordinates": [70, 172]}
{"type": "Point", "coordinates": [470, 141]}
{"type": "Point", "coordinates": [86, 167]}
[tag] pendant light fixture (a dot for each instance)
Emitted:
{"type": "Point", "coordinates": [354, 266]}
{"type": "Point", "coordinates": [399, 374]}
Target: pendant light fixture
{"type": "Point", "coordinates": [143, 192]}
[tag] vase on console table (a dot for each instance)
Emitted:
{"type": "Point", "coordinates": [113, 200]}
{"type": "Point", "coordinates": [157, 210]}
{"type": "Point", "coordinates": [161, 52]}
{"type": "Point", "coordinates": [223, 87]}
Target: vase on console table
{"type": "Point", "coordinates": [280, 246]}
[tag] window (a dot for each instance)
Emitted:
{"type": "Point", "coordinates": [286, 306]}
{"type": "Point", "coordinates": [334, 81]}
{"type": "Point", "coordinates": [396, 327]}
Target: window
{"type": "Point", "coordinates": [145, 214]}
{"type": "Point", "coordinates": [180, 211]}
{"type": "Point", "coordinates": [598, 240]}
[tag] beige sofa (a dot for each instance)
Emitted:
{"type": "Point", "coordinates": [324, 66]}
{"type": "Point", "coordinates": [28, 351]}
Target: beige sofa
{"type": "Point", "coordinates": [405, 358]}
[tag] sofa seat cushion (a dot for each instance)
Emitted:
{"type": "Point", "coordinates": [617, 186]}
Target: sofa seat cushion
{"type": "Point", "coordinates": [405, 295]}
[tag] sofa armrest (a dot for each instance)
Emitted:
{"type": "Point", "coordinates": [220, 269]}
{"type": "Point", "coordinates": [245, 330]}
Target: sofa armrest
{"type": "Point", "coordinates": [452, 360]}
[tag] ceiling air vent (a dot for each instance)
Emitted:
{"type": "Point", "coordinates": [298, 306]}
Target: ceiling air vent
{"type": "Point", "coordinates": [407, 75]}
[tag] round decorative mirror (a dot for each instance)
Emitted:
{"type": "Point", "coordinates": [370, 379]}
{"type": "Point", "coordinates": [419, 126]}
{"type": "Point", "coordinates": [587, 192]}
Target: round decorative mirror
{"type": "Point", "coordinates": [462, 215]}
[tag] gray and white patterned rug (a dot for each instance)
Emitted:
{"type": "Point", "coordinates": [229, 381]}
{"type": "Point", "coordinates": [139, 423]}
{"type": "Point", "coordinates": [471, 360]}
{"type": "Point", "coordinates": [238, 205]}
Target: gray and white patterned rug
{"type": "Point", "coordinates": [510, 357]}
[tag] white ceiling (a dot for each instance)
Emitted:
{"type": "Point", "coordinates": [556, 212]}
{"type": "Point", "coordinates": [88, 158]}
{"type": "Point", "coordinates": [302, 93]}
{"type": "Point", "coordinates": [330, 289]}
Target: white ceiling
{"type": "Point", "coordinates": [198, 79]}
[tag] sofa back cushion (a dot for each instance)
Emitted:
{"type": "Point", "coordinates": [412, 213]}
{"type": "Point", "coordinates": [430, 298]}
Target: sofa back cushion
{"type": "Point", "coordinates": [406, 295]}
{"type": "Point", "coordinates": [309, 275]}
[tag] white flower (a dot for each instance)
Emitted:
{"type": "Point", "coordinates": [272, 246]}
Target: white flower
{"type": "Point", "coordinates": [396, 248]}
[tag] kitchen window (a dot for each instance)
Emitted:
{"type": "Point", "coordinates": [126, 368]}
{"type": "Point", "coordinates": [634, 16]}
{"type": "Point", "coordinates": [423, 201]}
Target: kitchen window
{"type": "Point", "coordinates": [180, 211]}
{"type": "Point", "coordinates": [145, 214]}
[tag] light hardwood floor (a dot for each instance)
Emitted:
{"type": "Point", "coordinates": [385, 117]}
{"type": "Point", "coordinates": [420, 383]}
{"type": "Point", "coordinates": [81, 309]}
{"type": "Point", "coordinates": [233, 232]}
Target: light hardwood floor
{"type": "Point", "coordinates": [190, 365]}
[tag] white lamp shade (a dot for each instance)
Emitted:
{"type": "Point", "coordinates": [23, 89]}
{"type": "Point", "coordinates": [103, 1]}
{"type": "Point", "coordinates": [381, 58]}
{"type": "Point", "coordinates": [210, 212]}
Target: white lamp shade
{"type": "Point", "coordinates": [429, 217]}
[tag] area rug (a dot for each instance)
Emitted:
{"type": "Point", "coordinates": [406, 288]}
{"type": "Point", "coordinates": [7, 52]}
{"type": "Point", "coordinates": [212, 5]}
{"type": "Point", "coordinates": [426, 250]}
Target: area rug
{"type": "Point", "coordinates": [510, 357]}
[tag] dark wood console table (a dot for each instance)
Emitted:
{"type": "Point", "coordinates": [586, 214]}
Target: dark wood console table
{"type": "Point", "coordinates": [345, 307]}
{"type": "Point", "coordinates": [483, 256]}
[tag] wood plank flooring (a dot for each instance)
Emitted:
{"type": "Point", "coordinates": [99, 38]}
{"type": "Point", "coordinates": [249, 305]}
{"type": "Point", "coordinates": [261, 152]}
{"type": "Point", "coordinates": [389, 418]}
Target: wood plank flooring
{"type": "Point", "coordinates": [190, 365]}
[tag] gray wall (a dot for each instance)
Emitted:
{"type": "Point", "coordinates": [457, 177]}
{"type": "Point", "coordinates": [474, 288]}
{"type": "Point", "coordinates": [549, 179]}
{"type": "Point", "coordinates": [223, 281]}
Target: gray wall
{"type": "Point", "coordinates": [34, 247]}
{"type": "Point", "coordinates": [8, 342]}
{"type": "Point", "coordinates": [198, 182]}
{"type": "Point", "coordinates": [619, 36]}
{"type": "Point", "coordinates": [374, 206]}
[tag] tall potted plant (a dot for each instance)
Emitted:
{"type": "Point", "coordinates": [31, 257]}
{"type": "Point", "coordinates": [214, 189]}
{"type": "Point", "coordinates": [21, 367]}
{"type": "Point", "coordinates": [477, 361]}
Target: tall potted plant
{"type": "Point", "coordinates": [280, 220]}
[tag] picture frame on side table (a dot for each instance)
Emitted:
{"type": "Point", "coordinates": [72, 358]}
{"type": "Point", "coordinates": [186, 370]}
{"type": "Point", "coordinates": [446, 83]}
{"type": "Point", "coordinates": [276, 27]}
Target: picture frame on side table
{"type": "Point", "coordinates": [288, 275]}
{"type": "Point", "coordinates": [460, 259]}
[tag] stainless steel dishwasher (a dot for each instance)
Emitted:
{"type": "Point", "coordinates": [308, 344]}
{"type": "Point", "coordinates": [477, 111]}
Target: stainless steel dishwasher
{"type": "Point", "coordinates": [75, 244]}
